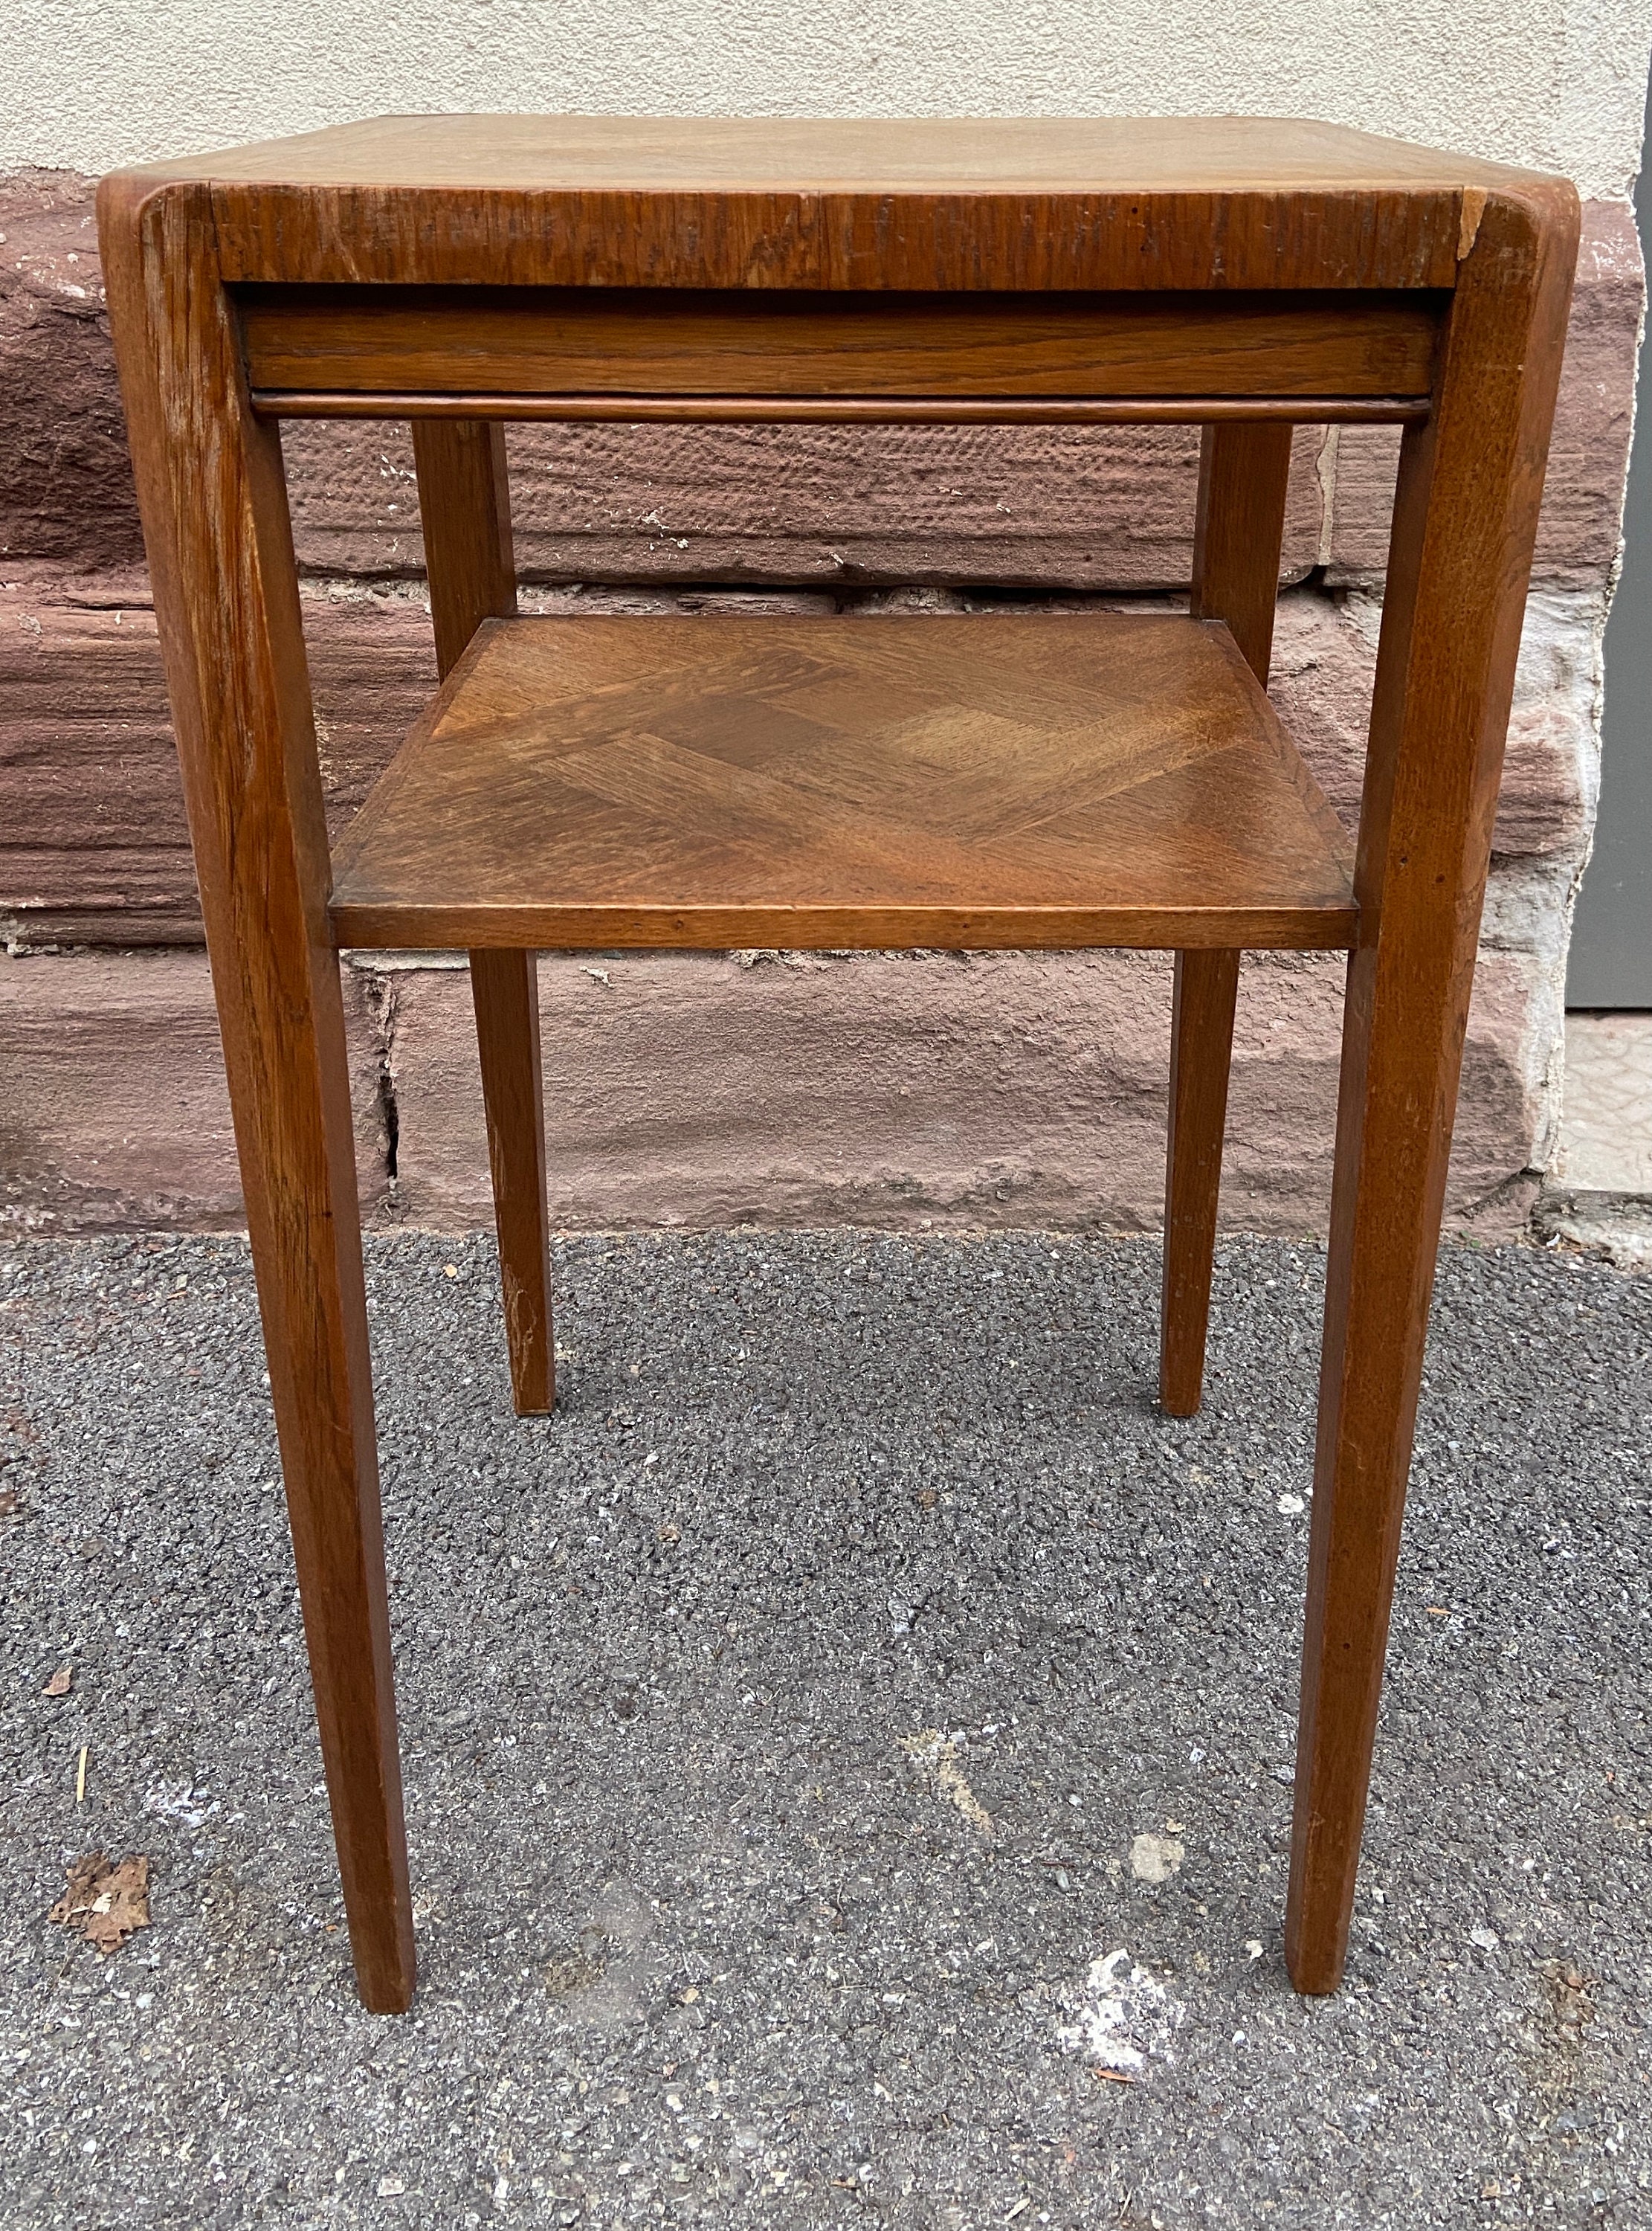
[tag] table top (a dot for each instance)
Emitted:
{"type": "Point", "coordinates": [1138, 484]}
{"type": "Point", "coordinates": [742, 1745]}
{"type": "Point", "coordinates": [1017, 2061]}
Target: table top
{"type": "Point", "coordinates": [884, 203]}
{"type": "Point", "coordinates": [881, 155]}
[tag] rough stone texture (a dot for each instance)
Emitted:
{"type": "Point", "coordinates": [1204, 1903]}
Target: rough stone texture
{"type": "Point", "coordinates": [66, 491]}
{"type": "Point", "coordinates": [1614, 1227]}
{"type": "Point", "coordinates": [93, 845]}
{"type": "Point", "coordinates": [1109, 507]}
{"type": "Point", "coordinates": [95, 849]}
{"type": "Point", "coordinates": [1064, 1124]}
{"type": "Point", "coordinates": [113, 1111]}
{"type": "Point", "coordinates": [912, 1088]}
{"type": "Point", "coordinates": [1583, 497]}
{"type": "Point", "coordinates": [894, 1089]}
{"type": "Point", "coordinates": [1606, 1141]}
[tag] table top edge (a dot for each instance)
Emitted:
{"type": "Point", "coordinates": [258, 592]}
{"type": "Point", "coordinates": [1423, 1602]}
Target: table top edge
{"type": "Point", "coordinates": [923, 157]}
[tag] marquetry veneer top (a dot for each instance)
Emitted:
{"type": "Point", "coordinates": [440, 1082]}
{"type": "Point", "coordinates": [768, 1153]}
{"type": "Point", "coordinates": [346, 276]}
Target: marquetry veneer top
{"type": "Point", "coordinates": [978, 203]}
{"type": "Point", "coordinates": [957, 782]}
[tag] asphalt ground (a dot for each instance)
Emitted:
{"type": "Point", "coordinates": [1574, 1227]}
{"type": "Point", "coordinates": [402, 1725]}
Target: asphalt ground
{"type": "Point", "coordinates": [781, 1725]}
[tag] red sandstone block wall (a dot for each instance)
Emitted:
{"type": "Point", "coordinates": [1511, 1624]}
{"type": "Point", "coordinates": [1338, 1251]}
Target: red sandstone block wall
{"type": "Point", "coordinates": [1008, 1089]}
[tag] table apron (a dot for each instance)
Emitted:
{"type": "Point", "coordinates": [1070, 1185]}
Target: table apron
{"type": "Point", "coordinates": [846, 409]}
{"type": "Point", "coordinates": [595, 352]}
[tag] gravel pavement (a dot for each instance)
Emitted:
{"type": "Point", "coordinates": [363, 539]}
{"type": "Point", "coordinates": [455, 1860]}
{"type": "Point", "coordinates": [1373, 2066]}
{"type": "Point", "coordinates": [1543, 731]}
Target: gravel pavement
{"type": "Point", "coordinates": [848, 1754]}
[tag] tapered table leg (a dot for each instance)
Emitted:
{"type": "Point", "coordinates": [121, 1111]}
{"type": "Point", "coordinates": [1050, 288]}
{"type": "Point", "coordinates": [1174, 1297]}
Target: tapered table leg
{"type": "Point", "coordinates": [1202, 1012]}
{"type": "Point", "coordinates": [1239, 531]}
{"type": "Point", "coordinates": [1465, 518]}
{"type": "Point", "coordinates": [464, 502]}
{"type": "Point", "coordinates": [216, 522]}
{"type": "Point", "coordinates": [505, 994]}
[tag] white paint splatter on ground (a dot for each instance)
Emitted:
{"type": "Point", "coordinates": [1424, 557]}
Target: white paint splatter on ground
{"type": "Point", "coordinates": [938, 1753]}
{"type": "Point", "coordinates": [177, 1801]}
{"type": "Point", "coordinates": [1123, 2018]}
{"type": "Point", "coordinates": [1156, 1858]}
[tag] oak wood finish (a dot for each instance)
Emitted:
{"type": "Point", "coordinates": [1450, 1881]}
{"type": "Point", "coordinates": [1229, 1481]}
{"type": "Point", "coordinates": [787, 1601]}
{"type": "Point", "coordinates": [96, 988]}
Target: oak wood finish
{"type": "Point", "coordinates": [1032, 781]}
{"type": "Point", "coordinates": [1202, 1012]}
{"type": "Point", "coordinates": [823, 782]}
{"type": "Point", "coordinates": [841, 411]}
{"type": "Point", "coordinates": [215, 523]}
{"type": "Point", "coordinates": [1464, 523]}
{"type": "Point", "coordinates": [894, 205]}
{"type": "Point", "coordinates": [504, 990]}
{"type": "Point", "coordinates": [1239, 533]}
{"type": "Point", "coordinates": [465, 515]}
{"type": "Point", "coordinates": [465, 507]}
{"type": "Point", "coordinates": [1238, 536]}
{"type": "Point", "coordinates": [665, 341]}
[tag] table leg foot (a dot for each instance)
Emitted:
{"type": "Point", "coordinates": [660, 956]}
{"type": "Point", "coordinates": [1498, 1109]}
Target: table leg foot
{"type": "Point", "coordinates": [503, 989]}
{"type": "Point", "coordinates": [1201, 1050]}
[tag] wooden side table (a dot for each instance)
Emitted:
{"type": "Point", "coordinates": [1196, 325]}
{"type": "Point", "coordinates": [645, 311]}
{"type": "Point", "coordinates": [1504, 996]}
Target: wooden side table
{"type": "Point", "coordinates": [1051, 782]}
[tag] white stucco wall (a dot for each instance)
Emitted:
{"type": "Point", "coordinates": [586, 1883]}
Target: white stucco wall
{"type": "Point", "coordinates": [1559, 84]}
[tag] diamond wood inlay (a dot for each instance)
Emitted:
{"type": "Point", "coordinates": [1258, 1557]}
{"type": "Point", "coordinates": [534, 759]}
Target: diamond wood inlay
{"type": "Point", "coordinates": [1102, 779]}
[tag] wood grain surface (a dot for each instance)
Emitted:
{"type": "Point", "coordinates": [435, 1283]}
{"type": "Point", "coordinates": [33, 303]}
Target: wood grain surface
{"type": "Point", "coordinates": [1239, 531]}
{"type": "Point", "coordinates": [1203, 1004]}
{"type": "Point", "coordinates": [884, 203]}
{"type": "Point", "coordinates": [465, 519]}
{"type": "Point", "coordinates": [1464, 523]}
{"type": "Point", "coordinates": [626, 410]}
{"type": "Point", "coordinates": [953, 782]}
{"type": "Point", "coordinates": [214, 504]}
{"type": "Point", "coordinates": [664, 341]}
{"type": "Point", "coordinates": [504, 990]}
{"type": "Point", "coordinates": [465, 513]}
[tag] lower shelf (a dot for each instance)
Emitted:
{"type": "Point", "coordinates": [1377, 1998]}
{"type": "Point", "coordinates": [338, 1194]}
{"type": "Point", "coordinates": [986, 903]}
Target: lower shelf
{"type": "Point", "coordinates": [1022, 780]}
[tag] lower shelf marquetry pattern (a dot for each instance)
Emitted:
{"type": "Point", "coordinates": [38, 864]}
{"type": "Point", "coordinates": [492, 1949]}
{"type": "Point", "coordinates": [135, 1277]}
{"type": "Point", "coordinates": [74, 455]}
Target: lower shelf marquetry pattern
{"type": "Point", "coordinates": [957, 782]}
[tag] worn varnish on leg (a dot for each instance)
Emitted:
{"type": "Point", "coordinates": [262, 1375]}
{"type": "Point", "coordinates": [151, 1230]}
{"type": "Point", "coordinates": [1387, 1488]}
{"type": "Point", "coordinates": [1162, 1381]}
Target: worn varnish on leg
{"type": "Point", "coordinates": [504, 993]}
{"type": "Point", "coordinates": [1464, 523]}
{"type": "Point", "coordinates": [215, 524]}
{"type": "Point", "coordinates": [1200, 1042]}
{"type": "Point", "coordinates": [464, 503]}
{"type": "Point", "coordinates": [1239, 531]}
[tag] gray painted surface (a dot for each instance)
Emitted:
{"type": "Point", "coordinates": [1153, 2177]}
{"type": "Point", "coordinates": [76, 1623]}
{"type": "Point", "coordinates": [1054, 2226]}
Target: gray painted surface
{"type": "Point", "coordinates": [1611, 944]}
